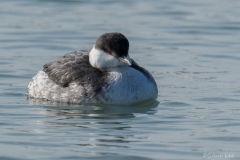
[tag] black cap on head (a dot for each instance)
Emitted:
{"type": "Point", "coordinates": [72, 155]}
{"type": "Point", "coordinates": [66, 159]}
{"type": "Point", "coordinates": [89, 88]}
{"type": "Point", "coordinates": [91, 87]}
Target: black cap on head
{"type": "Point", "coordinates": [116, 42]}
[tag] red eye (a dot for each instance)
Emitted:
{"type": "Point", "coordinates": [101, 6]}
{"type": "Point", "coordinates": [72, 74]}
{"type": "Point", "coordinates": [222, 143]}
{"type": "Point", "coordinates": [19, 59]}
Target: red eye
{"type": "Point", "coordinates": [109, 52]}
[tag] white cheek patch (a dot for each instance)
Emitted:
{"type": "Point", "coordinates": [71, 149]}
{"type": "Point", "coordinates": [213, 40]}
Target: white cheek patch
{"type": "Point", "coordinates": [101, 60]}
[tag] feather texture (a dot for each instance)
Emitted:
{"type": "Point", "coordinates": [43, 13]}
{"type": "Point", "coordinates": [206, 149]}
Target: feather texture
{"type": "Point", "coordinates": [75, 67]}
{"type": "Point", "coordinates": [72, 79]}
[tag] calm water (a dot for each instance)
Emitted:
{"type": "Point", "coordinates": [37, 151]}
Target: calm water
{"type": "Point", "coordinates": [190, 47]}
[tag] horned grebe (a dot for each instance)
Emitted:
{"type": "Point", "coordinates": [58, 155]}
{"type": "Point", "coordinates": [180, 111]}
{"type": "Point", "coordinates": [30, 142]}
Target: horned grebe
{"type": "Point", "coordinates": [106, 74]}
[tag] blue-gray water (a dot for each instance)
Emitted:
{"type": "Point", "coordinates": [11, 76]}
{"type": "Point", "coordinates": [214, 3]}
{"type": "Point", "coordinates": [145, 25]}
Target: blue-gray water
{"type": "Point", "coordinates": [191, 48]}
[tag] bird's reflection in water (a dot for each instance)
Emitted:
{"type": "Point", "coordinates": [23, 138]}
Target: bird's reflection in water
{"type": "Point", "coordinates": [100, 125]}
{"type": "Point", "coordinates": [95, 111]}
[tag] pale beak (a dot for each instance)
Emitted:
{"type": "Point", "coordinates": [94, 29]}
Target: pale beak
{"type": "Point", "coordinates": [125, 60]}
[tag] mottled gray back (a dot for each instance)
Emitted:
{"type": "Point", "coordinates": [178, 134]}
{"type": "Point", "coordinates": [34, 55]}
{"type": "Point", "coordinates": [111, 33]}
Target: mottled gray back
{"type": "Point", "coordinates": [75, 67]}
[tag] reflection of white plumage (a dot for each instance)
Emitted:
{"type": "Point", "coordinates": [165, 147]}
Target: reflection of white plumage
{"type": "Point", "coordinates": [106, 74]}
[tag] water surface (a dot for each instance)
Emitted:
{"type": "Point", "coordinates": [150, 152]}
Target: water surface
{"type": "Point", "coordinates": [191, 48]}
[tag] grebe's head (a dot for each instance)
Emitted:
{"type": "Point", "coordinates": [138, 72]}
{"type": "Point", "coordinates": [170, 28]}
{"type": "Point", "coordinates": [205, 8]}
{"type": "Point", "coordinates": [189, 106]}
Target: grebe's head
{"type": "Point", "coordinates": [110, 51]}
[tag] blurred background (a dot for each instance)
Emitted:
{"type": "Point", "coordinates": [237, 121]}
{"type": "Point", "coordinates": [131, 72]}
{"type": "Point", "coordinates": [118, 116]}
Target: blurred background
{"type": "Point", "coordinates": [190, 47]}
